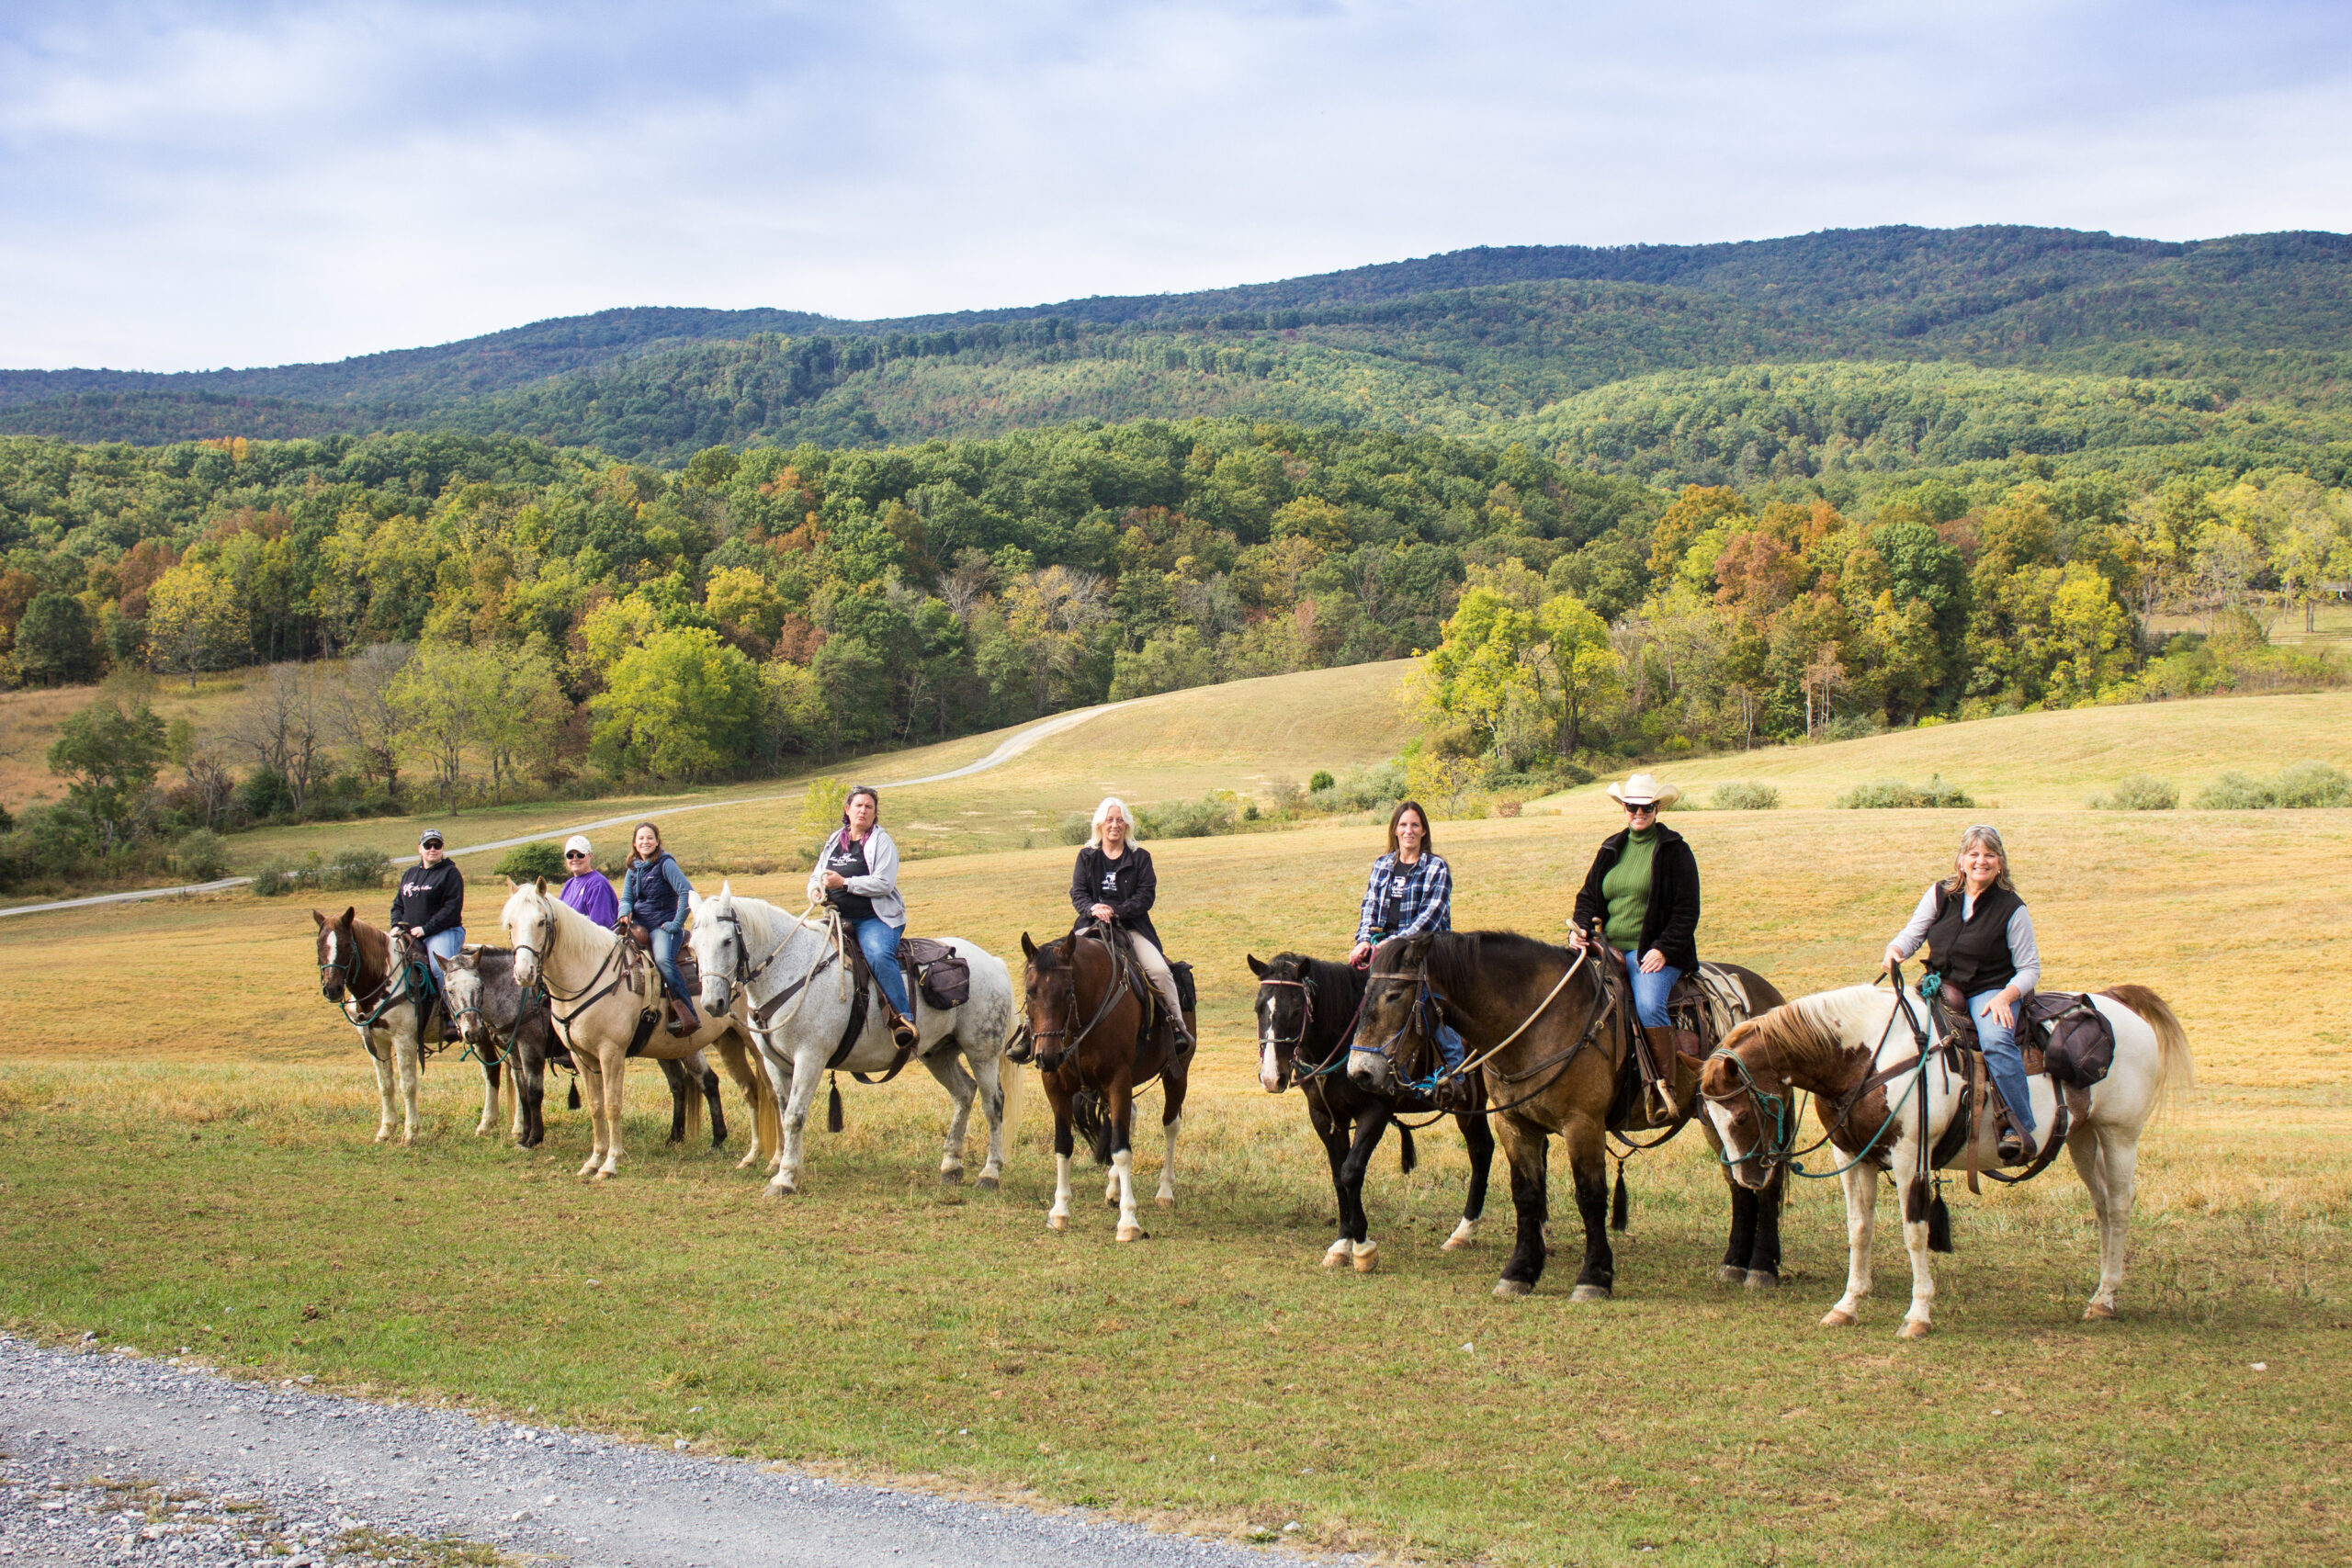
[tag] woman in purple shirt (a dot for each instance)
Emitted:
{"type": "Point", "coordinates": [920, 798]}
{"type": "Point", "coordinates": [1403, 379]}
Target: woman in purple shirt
{"type": "Point", "coordinates": [587, 891]}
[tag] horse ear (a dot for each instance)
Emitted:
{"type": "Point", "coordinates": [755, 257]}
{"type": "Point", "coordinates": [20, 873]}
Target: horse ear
{"type": "Point", "coordinates": [1255, 967]}
{"type": "Point", "coordinates": [348, 913]}
{"type": "Point", "coordinates": [542, 884]}
{"type": "Point", "coordinates": [726, 888]}
{"type": "Point", "coordinates": [1028, 946]}
{"type": "Point", "coordinates": [321, 920]}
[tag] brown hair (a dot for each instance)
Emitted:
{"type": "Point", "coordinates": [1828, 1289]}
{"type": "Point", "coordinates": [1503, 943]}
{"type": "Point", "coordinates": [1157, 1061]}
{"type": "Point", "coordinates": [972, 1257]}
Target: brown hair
{"type": "Point", "coordinates": [633, 856]}
{"type": "Point", "coordinates": [1429, 840]}
{"type": "Point", "coordinates": [1990, 837]}
{"type": "Point", "coordinates": [855, 791]}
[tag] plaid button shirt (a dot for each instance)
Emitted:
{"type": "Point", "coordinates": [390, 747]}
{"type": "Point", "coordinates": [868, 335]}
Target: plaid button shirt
{"type": "Point", "coordinates": [1422, 894]}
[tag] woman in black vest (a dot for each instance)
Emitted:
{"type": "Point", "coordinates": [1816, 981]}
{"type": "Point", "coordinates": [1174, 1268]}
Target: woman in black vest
{"type": "Point", "coordinates": [1979, 939]}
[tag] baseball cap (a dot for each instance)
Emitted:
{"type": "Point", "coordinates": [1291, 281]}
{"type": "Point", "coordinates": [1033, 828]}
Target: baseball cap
{"type": "Point", "coordinates": [578, 843]}
{"type": "Point", "coordinates": [430, 835]}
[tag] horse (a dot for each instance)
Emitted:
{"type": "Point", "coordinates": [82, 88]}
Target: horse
{"type": "Point", "coordinates": [503, 1024]}
{"type": "Point", "coordinates": [1092, 1072]}
{"type": "Point", "coordinates": [784, 982]}
{"type": "Point", "coordinates": [1306, 1008]}
{"type": "Point", "coordinates": [375, 982]}
{"type": "Point", "coordinates": [605, 1007]}
{"type": "Point", "coordinates": [1886, 1091]}
{"type": "Point", "coordinates": [1531, 1016]}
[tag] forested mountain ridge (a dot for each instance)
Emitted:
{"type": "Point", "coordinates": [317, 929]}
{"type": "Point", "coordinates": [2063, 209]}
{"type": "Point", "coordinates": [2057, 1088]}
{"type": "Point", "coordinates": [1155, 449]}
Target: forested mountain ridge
{"type": "Point", "coordinates": [1469, 342]}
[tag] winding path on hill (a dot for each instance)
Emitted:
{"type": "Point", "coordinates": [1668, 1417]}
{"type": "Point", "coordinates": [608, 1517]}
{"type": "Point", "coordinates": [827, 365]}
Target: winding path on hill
{"type": "Point", "coordinates": [1015, 744]}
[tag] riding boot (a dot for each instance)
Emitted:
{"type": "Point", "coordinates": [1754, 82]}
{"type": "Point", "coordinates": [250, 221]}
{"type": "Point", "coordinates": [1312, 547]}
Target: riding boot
{"type": "Point", "coordinates": [682, 1019]}
{"type": "Point", "coordinates": [1452, 1095]}
{"type": "Point", "coordinates": [1662, 1055]}
{"type": "Point", "coordinates": [2013, 1147]}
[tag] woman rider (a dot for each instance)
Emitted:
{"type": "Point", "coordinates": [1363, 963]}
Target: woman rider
{"type": "Point", "coordinates": [1980, 941]}
{"type": "Point", "coordinates": [430, 902]}
{"type": "Point", "coordinates": [1410, 894]}
{"type": "Point", "coordinates": [654, 895]}
{"type": "Point", "coordinates": [857, 874]}
{"type": "Point", "coordinates": [1114, 883]}
{"type": "Point", "coordinates": [586, 888]}
{"type": "Point", "coordinates": [1643, 892]}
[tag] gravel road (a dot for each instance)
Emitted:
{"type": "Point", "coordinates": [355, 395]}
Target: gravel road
{"type": "Point", "coordinates": [109, 1458]}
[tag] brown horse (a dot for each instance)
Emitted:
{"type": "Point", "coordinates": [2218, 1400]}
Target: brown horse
{"type": "Point", "coordinates": [1085, 1014]}
{"type": "Point", "coordinates": [1534, 1017]}
{"type": "Point", "coordinates": [373, 982]}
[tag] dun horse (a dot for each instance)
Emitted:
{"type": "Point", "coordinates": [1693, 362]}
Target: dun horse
{"type": "Point", "coordinates": [1886, 1091]}
{"type": "Point", "coordinates": [379, 985]}
{"type": "Point", "coordinates": [1093, 1068]}
{"type": "Point", "coordinates": [1536, 1015]}
{"type": "Point", "coordinates": [1306, 1009]}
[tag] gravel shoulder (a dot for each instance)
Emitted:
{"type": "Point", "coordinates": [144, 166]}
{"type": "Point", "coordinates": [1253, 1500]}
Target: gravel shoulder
{"type": "Point", "coordinates": [112, 1458]}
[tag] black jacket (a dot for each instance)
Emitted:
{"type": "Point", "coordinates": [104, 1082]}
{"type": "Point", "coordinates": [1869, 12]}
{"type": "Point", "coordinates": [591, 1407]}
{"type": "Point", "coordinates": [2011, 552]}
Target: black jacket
{"type": "Point", "coordinates": [1672, 924]}
{"type": "Point", "coordinates": [431, 896]}
{"type": "Point", "coordinates": [1127, 884]}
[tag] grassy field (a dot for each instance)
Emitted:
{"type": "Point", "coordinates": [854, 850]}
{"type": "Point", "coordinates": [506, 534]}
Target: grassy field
{"type": "Point", "coordinates": [194, 1170]}
{"type": "Point", "coordinates": [28, 722]}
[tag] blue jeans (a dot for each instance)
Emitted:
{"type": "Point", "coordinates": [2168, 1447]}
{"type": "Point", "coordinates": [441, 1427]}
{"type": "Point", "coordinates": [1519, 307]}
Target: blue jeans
{"type": "Point", "coordinates": [878, 939]}
{"type": "Point", "coordinates": [1650, 991]}
{"type": "Point", "coordinates": [444, 945]}
{"type": "Point", "coordinates": [2002, 1058]}
{"type": "Point", "coordinates": [666, 958]}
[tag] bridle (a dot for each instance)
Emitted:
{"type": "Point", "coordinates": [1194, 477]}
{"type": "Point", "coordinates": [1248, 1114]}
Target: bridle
{"type": "Point", "coordinates": [1426, 1001]}
{"type": "Point", "coordinates": [1049, 1062]}
{"type": "Point", "coordinates": [1778, 1149]}
{"type": "Point", "coordinates": [1286, 1051]}
{"type": "Point", "coordinates": [743, 971]}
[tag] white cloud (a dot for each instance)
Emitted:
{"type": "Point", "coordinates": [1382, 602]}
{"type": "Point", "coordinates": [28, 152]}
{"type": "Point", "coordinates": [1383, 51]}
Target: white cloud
{"type": "Point", "coordinates": [205, 185]}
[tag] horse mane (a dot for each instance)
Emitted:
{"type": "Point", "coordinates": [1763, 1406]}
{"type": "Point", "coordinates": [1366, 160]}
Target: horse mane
{"type": "Point", "coordinates": [1814, 1034]}
{"type": "Point", "coordinates": [1462, 962]}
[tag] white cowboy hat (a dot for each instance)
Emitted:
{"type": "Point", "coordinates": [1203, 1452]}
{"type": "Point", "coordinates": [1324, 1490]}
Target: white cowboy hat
{"type": "Point", "coordinates": [1643, 790]}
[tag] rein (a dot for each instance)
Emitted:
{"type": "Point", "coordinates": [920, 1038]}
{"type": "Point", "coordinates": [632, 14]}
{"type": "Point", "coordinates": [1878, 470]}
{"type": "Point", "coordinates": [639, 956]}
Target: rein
{"type": "Point", "coordinates": [1557, 1063]}
{"type": "Point", "coordinates": [1782, 1132]}
{"type": "Point", "coordinates": [1111, 995]}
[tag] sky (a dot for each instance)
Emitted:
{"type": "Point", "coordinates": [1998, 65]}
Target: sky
{"type": "Point", "coordinates": [196, 185]}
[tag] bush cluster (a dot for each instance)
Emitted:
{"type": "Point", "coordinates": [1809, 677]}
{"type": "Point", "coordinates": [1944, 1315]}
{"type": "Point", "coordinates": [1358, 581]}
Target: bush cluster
{"type": "Point", "coordinates": [2302, 784]}
{"type": "Point", "coordinates": [1745, 797]}
{"type": "Point", "coordinates": [1893, 795]}
{"type": "Point", "coordinates": [2138, 793]}
{"type": "Point", "coordinates": [356, 865]}
{"type": "Point", "coordinates": [527, 862]}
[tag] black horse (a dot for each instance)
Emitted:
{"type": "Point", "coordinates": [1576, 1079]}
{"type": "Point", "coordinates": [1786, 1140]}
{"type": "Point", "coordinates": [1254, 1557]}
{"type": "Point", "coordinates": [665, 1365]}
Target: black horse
{"type": "Point", "coordinates": [497, 1021]}
{"type": "Point", "coordinates": [1307, 1011]}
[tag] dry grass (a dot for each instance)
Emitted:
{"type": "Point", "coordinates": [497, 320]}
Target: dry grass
{"type": "Point", "coordinates": [28, 722]}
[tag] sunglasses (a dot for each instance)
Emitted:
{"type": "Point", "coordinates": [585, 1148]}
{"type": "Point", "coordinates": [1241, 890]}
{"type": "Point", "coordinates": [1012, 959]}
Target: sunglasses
{"type": "Point", "coordinates": [573, 855]}
{"type": "Point", "coordinates": [1645, 806]}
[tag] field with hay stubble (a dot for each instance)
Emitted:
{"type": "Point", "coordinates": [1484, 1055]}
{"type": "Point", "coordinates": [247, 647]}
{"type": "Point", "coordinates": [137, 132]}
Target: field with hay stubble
{"type": "Point", "coordinates": [206, 1180]}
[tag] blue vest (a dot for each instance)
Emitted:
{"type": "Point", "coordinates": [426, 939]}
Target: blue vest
{"type": "Point", "coordinates": [652, 902]}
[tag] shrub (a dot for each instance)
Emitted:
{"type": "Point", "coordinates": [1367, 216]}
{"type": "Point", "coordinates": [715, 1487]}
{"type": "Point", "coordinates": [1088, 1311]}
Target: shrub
{"type": "Point", "coordinates": [1075, 828]}
{"type": "Point", "coordinates": [2138, 793]}
{"type": "Point", "coordinates": [201, 856]}
{"type": "Point", "coordinates": [2313, 783]}
{"type": "Point", "coordinates": [1507, 807]}
{"type": "Point", "coordinates": [527, 862]}
{"type": "Point", "coordinates": [1895, 796]}
{"type": "Point", "coordinates": [2236, 792]}
{"type": "Point", "coordinates": [1745, 797]}
{"type": "Point", "coordinates": [356, 865]}
{"type": "Point", "coordinates": [1376, 788]}
{"type": "Point", "coordinates": [1187, 820]}
{"type": "Point", "coordinates": [1320, 780]}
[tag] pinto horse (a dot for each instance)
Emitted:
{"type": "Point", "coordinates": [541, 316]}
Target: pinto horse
{"type": "Point", "coordinates": [1887, 1094]}
{"type": "Point", "coordinates": [373, 980]}
{"type": "Point", "coordinates": [1306, 1009]}
{"type": "Point", "coordinates": [1093, 1068]}
{"type": "Point", "coordinates": [1532, 1015]}
{"type": "Point", "coordinates": [506, 1024]}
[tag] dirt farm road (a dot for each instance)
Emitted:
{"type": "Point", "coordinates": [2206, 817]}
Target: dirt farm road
{"type": "Point", "coordinates": [239, 1471]}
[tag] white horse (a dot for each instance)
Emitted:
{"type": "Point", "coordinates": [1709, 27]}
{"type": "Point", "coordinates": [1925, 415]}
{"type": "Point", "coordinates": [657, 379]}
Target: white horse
{"type": "Point", "coordinates": [599, 1003]}
{"type": "Point", "coordinates": [783, 980]}
{"type": "Point", "coordinates": [1850, 1051]}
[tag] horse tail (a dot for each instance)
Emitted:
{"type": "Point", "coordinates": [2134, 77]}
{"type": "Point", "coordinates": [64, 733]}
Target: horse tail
{"type": "Point", "coordinates": [1407, 1159]}
{"type": "Point", "coordinates": [2175, 1070]}
{"type": "Point", "coordinates": [1091, 1116]}
{"type": "Point", "coordinates": [510, 1095]}
{"type": "Point", "coordinates": [767, 1116]}
{"type": "Point", "coordinates": [694, 1108]}
{"type": "Point", "coordinates": [1011, 1080]}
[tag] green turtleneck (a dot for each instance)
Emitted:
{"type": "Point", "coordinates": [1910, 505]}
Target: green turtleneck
{"type": "Point", "coordinates": [1627, 889]}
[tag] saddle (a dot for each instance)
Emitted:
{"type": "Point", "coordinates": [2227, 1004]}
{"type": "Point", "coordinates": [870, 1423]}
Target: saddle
{"type": "Point", "coordinates": [1132, 974]}
{"type": "Point", "coordinates": [637, 957]}
{"type": "Point", "coordinates": [1702, 1009]}
{"type": "Point", "coordinates": [2061, 1033]}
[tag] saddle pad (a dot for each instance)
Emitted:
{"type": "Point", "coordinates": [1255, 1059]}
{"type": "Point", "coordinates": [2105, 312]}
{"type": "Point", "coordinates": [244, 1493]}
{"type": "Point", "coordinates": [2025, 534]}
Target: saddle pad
{"type": "Point", "coordinates": [1717, 990]}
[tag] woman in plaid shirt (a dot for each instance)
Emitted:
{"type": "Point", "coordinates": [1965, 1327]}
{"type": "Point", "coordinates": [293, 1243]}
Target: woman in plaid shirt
{"type": "Point", "coordinates": [1410, 893]}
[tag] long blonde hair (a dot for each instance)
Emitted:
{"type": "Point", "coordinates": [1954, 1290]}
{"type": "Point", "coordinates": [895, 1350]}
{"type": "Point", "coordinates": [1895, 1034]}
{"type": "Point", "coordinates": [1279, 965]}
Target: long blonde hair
{"type": "Point", "coordinates": [1101, 812]}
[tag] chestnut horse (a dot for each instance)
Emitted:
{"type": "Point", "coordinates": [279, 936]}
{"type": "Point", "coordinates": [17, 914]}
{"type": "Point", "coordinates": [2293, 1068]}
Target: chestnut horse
{"type": "Point", "coordinates": [1085, 1012]}
{"type": "Point", "coordinates": [1534, 1016]}
{"type": "Point", "coordinates": [1306, 1009]}
{"type": "Point", "coordinates": [373, 982]}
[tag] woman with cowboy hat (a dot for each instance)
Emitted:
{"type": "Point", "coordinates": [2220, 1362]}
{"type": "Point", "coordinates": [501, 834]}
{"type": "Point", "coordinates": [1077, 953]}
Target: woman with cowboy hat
{"type": "Point", "coordinates": [857, 875]}
{"type": "Point", "coordinates": [1643, 892]}
{"type": "Point", "coordinates": [1980, 940]}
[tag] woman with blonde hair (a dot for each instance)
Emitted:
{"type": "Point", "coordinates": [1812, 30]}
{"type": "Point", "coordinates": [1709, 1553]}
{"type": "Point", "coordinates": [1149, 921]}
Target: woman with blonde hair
{"type": "Point", "coordinates": [1113, 884]}
{"type": "Point", "coordinates": [1979, 942]}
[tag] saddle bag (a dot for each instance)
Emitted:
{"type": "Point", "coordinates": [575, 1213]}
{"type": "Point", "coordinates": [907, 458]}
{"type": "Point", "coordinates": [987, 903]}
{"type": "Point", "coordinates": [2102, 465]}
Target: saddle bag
{"type": "Point", "coordinates": [2078, 1040]}
{"type": "Point", "coordinates": [940, 970]}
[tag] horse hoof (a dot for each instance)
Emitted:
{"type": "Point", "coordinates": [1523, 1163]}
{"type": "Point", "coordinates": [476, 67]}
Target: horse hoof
{"type": "Point", "coordinates": [951, 1177]}
{"type": "Point", "coordinates": [1912, 1329]}
{"type": "Point", "coordinates": [986, 1184]}
{"type": "Point", "coordinates": [1837, 1318]}
{"type": "Point", "coordinates": [1337, 1253]}
{"type": "Point", "coordinates": [1367, 1258]}
{"type": "Point", "coordinates": [1731, 1274]}
{"type": "Point", "coordinates": [2099, 1312]}
{"type": "Point", "coordinates": [1507, 1289]}
{"type": "Point", "coordinates": [1763, 1280]}
{"type": "Point", "coordinates": [1166, 1200]}
{"type": "Point", "coordinates": [1058, 1222]}
{"type": "Point", "coordinates": [1131, 1233]}
{"type": "Point", "coordinates": [1589, 1293]}
{"type": "Point", "coordinates": [1464, 1234]}
{"type": "Point", "coordinates": [780, 1190]}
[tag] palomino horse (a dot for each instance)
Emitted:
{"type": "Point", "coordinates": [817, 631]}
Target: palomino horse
{"type": "Point", "coordinates": [376, 984]}
{"type": "Point", "coordinates": [1886, 1091]}
{"type": "Point", "coordinates": [1531, 1015]}
{"type": "Point", "coordinates": [1091, 1070]}
{"type": "Point", "coordinates": [605, 1008]}
{"type": "Point", "coordinates": [506, 1024]}
{"type": "Point", "coordinates": [1306, 1011]}
{"type": "Point", "coordinates": [784, 981]}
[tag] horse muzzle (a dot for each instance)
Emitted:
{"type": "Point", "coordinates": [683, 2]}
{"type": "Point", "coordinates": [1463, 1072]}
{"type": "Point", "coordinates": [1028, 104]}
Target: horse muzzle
{"type": "Point", "coordinates": [1370, 1071]}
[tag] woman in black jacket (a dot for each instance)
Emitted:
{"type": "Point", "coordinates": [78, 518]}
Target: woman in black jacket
{"type": "Point", "coordinates": [1112, 885]}
{"type": "Point", "coordinates": [430, 902]}
{"type": "Point", "coordinates": [1643, 892]}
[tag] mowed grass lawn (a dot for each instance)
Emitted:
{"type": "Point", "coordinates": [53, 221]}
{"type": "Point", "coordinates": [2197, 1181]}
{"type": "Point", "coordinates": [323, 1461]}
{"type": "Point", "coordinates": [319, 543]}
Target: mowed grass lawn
{"type": "Point", "coordinates": [191, 1167]}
